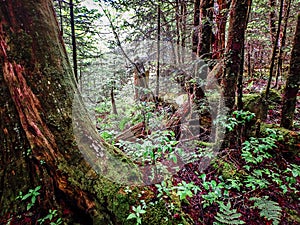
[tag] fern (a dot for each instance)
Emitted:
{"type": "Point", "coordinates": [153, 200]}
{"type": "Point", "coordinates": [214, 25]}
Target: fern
{"type": "Point", "coordinates": [228, 215]}
{"type": "Point", "coordinates": [268, 209]}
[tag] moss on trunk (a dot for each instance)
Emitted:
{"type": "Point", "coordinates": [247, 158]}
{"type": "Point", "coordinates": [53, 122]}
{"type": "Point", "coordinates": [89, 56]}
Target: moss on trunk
{"type": "Point", "coordinates": [38, 143]}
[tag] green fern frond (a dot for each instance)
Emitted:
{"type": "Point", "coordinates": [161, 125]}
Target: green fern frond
{"type": "Point", "coordinates": [268, 209]}
{"type": "Point", "coordinates": [228, 216]}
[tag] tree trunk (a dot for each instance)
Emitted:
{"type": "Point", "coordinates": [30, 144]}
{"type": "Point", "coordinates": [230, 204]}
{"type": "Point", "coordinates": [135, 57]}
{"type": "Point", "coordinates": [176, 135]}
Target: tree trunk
{"type": "Point", "coordinates": [272, 20]}
{"type": "Point", "coordinates": [195, 38]}
{"type": "Point", "coordinates": [112, 97]}
{"type": "Point", "coordinates": [158, 50]}
{"type": "Point", "coordinates": [233, 55]}
{"type": "Point", "coordinates": [274, 51]}
{"type": "Point", "coordinates": [205, 29]}
{"type": "Point", "coordinates": [74, 48]}
{"type": "Point", "coordinates": [40, 113]}
{"type": "Point", "coordinates": [292, 83]}
{"type": "Point", "coordinates": [283, 38]}
{"type": "Point", "coordinates": [221, 20]}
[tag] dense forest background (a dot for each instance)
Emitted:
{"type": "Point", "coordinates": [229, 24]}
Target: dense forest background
{"type": "Point", "coordinates": [150, 112]}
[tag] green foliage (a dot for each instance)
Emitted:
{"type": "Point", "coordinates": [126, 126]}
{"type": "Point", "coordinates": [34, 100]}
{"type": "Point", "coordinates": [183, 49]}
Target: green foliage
{"type": "Point", "coordinates": [164, 188]}
{"type": "Point", "coordinates": [226, 215]}
{"type": "Point", "coordinates": [215, 191]}
{"type": "Point", "coordinates": [31, 195]}
{"type": "Point", "coordinates": [103, 107]}
{"type": "Point", "coordinates": [268, 209]}
{"type": "Point", "coordinates": [136, 214]}
{"type": "Point", "coordinates": [50, 217]}
{"type": "Point", "coordinates": [255, 150]}
{"type": "Point", "coordinates": [238, 118]}
{"type": "Point", "coordinates": [255, 182]}
{"type": "Point", "coordinates": [295, 170]}
{"type": "Point", "coordinates": [159, 144]}
{"type": "Point", "coordinates": [108, 136]}
{"type": "Point", "coordinates": [184, 190]}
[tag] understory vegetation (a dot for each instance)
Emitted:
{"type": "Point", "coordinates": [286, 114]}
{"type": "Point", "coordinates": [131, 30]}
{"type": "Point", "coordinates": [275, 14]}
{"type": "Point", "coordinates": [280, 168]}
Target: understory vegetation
{"type": "Point", "coordinates": [257, 183]}
{"type": "Point", "coordinates": [155, 112]}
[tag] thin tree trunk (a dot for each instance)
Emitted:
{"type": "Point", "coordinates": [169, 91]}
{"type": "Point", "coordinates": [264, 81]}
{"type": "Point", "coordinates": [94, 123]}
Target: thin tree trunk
{"type": "Point", "coordinates": [61, 18]}
{"type": "Point", "coordinates": [183, 30]}
{"type": "Point", "coordinates": [112, 97]}
{"type": "Point", "coordinates": [241, 74]}
{"type": "Point", "coordinates": [272, 20]}
{"type": "Point", "coordinates": [183, 23]}
{"type": "Point", "coordinates": [274, 51]}
{"type": "Point", "coordinates": [178, 30]}
{"type": "Point", "coordinates": [195, 38]}
{"type": "Point", "coordinates": [74, 48]}
{"type": "Point", "coordinates": [292, 83]}
{"type": "Point", "coordinates": [158, 51]}
{"type": "Point", "coordinates": [283, 38]}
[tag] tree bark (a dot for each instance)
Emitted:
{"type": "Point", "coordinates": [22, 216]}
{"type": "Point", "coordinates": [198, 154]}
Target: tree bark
{"type": "Point", "coordinates": [283, 38]}
{"type": "Point", "coordinates": [221, 20]}
{"type": "Point", "coordinates": [274, 51]}
{"type": "Point", "coordinates": [158, 50]}
{"type": "Point", "coordinates": [292, 83]}
{"type": "Point", "coordinates": [195, 38]}
{"type": "Point", "coordinates": [38, 144]}
{"type": "Point", "coordinates": [233, 54]}
{"type": "Point", "coordinates": [205, 29]}
{"type": "Point", "coordinates": [272, 20]}
{"type": "Point", "coordinates": [74, 48]}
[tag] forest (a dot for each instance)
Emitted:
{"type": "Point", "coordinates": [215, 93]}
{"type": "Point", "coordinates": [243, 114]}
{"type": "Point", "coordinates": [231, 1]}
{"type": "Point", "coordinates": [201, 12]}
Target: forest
{"type": "Point", "coordinates": [159, 112]}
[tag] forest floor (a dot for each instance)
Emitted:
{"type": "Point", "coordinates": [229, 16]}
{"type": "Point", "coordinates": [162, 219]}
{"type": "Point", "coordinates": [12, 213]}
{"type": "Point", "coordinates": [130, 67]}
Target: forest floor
{"type": "Point", "coordinates": [228, 179]}
{"type": "Point", "coordinates": [238, 189]}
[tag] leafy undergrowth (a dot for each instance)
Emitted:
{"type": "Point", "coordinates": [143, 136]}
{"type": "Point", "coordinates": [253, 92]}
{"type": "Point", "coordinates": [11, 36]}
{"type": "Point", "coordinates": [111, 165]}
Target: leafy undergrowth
{"type": "Point", "coordinates": [274, 181]}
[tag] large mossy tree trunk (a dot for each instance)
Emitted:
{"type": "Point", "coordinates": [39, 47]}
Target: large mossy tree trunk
{"type": "Point", "coordinates": [38, 145]}
{"type": "Point", "coordinates": [292, 83]}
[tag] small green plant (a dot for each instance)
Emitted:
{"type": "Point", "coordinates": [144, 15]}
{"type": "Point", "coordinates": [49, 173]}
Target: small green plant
{"type": "Point", "coordinates": [184, 190]}
{"type": "Point", "coordinates": [108, 136]}
{"type": "Point", "coordinates": [50, 217]}
{"type": "Point", "coordinates": [243, 116]}
{"type": "Point", "coordinates": [215, 191]}
{"type": "Point", "coordinates": [255, 182]}
{"type": "Point", "coordinates": [237, 118]}
{"type": "Point", "coordinates": [255, 150]}
{"type": "Point", "coordinates": [160, 144]}
{"type": "Point", "coordinates": [295, 170]}
{"type": "Point", "coordinates": [32, 195]}
{"type": "Point", "coordinates": [226, 215]}
{"type": "Point", "coordinates": [268, 209]}
{"type": "Point", "coordinates": [164, 188]}
{"type": "Point", "coordinates": [136, 214]}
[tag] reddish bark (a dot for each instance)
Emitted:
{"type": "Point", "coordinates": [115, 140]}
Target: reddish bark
{"type": "Point", "coordinates": [221, 19]}
{"type": "Point", "coordinates": [235, 44]}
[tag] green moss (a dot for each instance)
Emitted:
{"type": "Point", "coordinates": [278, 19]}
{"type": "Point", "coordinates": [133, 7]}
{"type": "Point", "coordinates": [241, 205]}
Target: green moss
{"type": "Point", "coordinates": [290, 139]}
{"type": "Point", "coordinates": [227, 169]}
{"type": "Point", "coordinates": [293, 216]}
{"type": "Point", "coordinates": [158, 214]}
{"type": "Point", "coordinates": [20, 47]}
{"type": "Point", "coordinates": [205, 144]}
